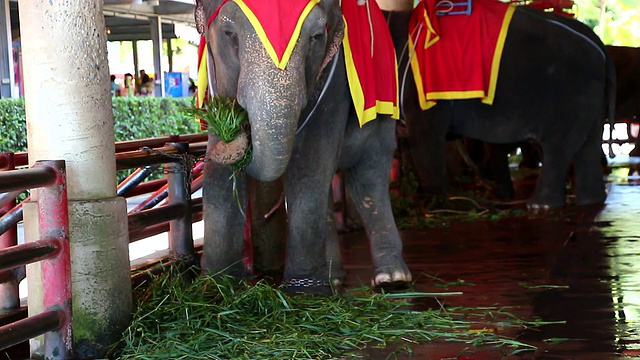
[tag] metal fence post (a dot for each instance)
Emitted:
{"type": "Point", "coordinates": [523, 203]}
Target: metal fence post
{"type": "Point", "coordinates": [53, 217]}
{"type": "Point", "coordinates": [179, 192]}
{"type": "Point", "coordinates": [9, 291]}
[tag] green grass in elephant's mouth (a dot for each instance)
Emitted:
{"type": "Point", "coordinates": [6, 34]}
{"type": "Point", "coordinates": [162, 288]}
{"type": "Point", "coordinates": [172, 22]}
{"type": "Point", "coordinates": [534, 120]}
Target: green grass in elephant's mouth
{"type": "Point", "coordinates": [225, 119]}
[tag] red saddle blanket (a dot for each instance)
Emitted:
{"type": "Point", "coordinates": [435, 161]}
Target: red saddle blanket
{"type": "Point", "coordinates": [457, 56]}
{"type": "Point", "coordinates": [370, 60]}
{"type": "Point", "coordinates": [369, 51]}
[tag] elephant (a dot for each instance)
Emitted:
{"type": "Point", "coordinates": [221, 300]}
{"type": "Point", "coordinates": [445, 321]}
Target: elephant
{"type": "Point", "coordinates": [300, 136]}
{"type": "Point", "coordinates": [556, 87]}
{"type": "Point", "coordinates": [627, 63]}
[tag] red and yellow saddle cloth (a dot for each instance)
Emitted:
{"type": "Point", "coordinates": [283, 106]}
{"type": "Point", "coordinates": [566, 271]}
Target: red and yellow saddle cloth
{"type": "Point", "coordinates": [369, 52]}
{"type": "Point", "coordinates": [370, 59]}
{"type": "Point", "coordinates": [458, 56]}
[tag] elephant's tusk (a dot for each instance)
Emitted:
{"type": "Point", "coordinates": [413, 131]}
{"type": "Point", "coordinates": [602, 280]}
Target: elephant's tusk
{"type": "Point", "coordinates": [231, 152]}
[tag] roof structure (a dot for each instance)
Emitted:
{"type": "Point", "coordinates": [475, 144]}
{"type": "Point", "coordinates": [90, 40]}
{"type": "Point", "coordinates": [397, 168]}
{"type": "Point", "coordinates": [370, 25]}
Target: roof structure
{"type": "Point", "coordinates": [125, 20]}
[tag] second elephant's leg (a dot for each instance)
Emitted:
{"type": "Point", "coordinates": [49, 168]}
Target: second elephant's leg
{"type": "Point", "coordinates": [368, 185]}
{"type": "Point", "coordinates": [588, 171]}
{"type": "Point", "coordinates": [550, 190]}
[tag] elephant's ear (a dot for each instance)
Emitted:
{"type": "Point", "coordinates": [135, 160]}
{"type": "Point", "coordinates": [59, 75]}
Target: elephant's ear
{"type": "Point", "coordinates": [204, 9]}
{"type": "Point", "coordinates": [336, 28]}
{"type": "Point", "coordinates": [334, 17]}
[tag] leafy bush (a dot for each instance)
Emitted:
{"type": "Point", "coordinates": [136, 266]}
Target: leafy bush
{"type": "Point", "coordinates": [134, 117]}
{"type": "Point", "coordinates": [13, 126]}
{"type": "Point", "coordinates": [147, 117]}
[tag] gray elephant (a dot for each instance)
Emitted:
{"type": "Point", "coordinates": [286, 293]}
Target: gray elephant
{"type": "Point", "coordinates": [303, 128]}
{"type": "Point", "coordinates": [556, 86]}
{"type": "Point", "coordinates": [627, 63]}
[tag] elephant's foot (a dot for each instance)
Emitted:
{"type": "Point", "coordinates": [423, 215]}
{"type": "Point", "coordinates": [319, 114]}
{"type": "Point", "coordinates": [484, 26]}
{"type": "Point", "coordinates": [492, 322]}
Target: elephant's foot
{"type": "Point", "coordinates": [592, 200]}
{"type": "Point", "coordinates": [394, 274]}
{"type": "Point", "coordinates": [536, 204]}
{"type": "Point", "coordinates": [306, 286]}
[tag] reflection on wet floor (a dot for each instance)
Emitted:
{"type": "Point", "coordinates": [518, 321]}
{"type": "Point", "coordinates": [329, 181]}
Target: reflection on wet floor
{"type": "Point", "coordinates": [578, 267]}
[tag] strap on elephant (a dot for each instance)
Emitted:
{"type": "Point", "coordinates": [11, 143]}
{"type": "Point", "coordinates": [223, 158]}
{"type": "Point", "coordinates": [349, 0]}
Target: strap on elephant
{"type": "Point", "coordinates": [448, 7]}
{"type": "Point", "coordinates": [332, 71]}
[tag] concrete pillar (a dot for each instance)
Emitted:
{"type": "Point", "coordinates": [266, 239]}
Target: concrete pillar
{"type": "Point", "coordinates": [69, 117]}
{"type": "Point", "coordinates": [7, 79]}
{"type": "Point", "coordinates": [395, 5]}
{"type": "Point", "coordinates": [156, 37]}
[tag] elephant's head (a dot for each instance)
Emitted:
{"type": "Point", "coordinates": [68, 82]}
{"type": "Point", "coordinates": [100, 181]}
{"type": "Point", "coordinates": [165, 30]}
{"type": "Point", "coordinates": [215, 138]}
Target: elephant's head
{"type": "Point", "coordinates": [242, 67]}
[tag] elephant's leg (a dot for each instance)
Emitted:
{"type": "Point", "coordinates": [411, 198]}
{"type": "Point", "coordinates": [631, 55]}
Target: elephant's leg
{"type": "Point", "coordinates": [500, 171]}
{"type": "Point", "coordinates": [588, 172]}
{"type": "Point", "coordinates": [368, 185]}
{"type": "Point", "coordinates": [224, 209]}
{"type": "Point", "coordinates": [332, 248]}
{"type": "Point", "coordinates": [427, 141]}
{"type": "Point", "coordinates": [550, 190]}
{"type": "Point", "coordinates": [310, 231]}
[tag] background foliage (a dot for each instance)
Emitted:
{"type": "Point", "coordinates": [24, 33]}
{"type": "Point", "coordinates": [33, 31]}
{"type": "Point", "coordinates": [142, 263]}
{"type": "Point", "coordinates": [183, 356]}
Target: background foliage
{"type": "Point", "coordinates": [13, 133]}
{"type": "Point", "coordinates": [134, 118]}
{"type": "Point", "coordinates": [617, 22]}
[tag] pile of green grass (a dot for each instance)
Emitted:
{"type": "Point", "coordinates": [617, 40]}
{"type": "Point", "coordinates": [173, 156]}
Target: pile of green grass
{"type": "Point", "coordinates": [226, 318]}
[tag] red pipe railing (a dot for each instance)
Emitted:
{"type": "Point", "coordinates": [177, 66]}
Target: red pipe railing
{"type": "Point", "coordinates": [175, 215]}
{"type": "Point", "coordinates": [52, 250]}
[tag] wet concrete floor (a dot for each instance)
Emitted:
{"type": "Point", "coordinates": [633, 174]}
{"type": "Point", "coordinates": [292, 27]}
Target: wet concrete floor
{"type": "Point", "coordinates": [579, 267]}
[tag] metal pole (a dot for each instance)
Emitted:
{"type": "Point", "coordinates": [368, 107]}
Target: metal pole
{"type": "Point", "coordinates": [11, 219]}
{"type": "Point", "coordinates": [53, 218]}
{"type": "Point", "coordinates": [179, 192]}
{"type": "Point", "coordinates": [7, 80]}
{"type": "Point", "coordinates": [9, 291]}
{"type": "Point", "coordinates": [15, 333]}
{"type": "Point", "coordinates": [134, 180]}
{"type": "Point", "coordinates": [156, 37]}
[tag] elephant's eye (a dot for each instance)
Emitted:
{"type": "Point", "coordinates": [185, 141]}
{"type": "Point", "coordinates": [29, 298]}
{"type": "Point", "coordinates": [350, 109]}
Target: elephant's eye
{"type": "Point", "coordinates": [317, 37]}
{"type": "Point", "coordinates": [230, 34]}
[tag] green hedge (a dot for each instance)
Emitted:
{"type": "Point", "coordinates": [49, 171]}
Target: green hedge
{"type": "Point", "coordinates": [13, 126]}
{"type": "Point", "coordinates": [135, 118]}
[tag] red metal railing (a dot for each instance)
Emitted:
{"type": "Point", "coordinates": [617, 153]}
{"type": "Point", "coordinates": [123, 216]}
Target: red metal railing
{"type": "Point", "coordinates": [175, 216]}
{"type": "Point", "coordinates": [52, 250]}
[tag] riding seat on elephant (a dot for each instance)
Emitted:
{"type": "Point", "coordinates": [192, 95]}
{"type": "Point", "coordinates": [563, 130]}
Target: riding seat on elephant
{"type": "Point", "coordinates": [293, 65]}
{"type": "Point", "coordinates": [548, 79]}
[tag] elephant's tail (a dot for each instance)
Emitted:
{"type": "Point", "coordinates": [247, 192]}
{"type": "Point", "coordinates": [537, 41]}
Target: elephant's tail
{"type": "Point", "coordinates": [611, 99]}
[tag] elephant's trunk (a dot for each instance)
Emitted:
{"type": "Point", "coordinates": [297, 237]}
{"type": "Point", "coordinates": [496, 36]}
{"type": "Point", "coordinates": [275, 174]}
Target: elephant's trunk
{"type": "Point", "coordinates": [273, 99]}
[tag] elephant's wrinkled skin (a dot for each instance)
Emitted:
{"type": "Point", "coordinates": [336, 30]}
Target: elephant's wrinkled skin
{"type": "Point", "coordinates": [556, 87]}
{"type": "Point", "coordinates": [277, 102]}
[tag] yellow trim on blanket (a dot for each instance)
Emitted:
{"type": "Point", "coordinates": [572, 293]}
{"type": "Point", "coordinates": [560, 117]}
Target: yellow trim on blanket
{"type": "Point", "coordinates": [497, 55]}
{"type": "Point", "coordinates": [357, 94]}
{"type": "Point", "coordinates": [456, 95]}
{"type": "Point", "coordinates": [431, 37]}
{"type": "Point", "coordinates": [280, 63]}
{"type": "Point", "coordinates": [203, 78]}
{"type": "Point", "coordinates": [417, 75]}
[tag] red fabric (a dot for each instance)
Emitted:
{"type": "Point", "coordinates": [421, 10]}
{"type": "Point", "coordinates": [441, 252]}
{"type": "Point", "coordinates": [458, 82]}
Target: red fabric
{"type": "Point", "coordinates": [458, 63]}
{"type": "Point", "coordinates": [202, 83]}
{"type": "Point", "coordinates": [372, 72]}
{"type": "Point", "coordinates": [278, 19]}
